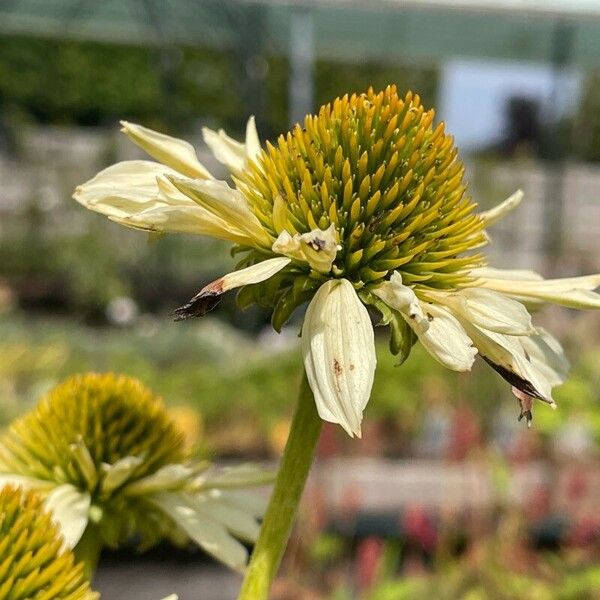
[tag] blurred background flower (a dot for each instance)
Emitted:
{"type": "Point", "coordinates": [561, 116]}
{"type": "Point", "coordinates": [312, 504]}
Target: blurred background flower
{"type": "Point", "coordinates": [113, 468]}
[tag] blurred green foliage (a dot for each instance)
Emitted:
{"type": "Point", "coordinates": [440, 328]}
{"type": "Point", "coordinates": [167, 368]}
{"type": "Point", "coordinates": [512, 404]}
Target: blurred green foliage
{"type": "Point", "coordinates": [578, 398]}
{"type": "Point", "coordinates": [229, 377]}
{"type": "Point", "coordinates": [90, 83]}
{"type": "Point", "coordinates": [79, 270]}
{"type": "Point", "coordinates": [241, 385]}
{"type": "Point", "coordinates": [487, 578]}
{"type": "Point", "coordinates": [223, 373]}
{"type": "Point", "coordinates": [86, 83]}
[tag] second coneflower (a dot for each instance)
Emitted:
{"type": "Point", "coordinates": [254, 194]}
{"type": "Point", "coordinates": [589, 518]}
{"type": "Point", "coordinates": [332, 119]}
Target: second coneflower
{"type": "Point", "coordinates": [112, 467]}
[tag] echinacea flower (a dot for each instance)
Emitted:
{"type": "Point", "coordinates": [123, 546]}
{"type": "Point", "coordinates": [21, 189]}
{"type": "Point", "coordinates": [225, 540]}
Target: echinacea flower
{"type": "Point", "coordinates": [33, 560]}
{"type": "Point", "coordinates": [363, 206]}
{"type": "Point", "coordinates": [103, 452]}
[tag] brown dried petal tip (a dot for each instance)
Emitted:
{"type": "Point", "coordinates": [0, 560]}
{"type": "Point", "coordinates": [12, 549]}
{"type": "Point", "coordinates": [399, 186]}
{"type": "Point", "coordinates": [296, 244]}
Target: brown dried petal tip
{"type": "Point", "coordinates": [198, 306]}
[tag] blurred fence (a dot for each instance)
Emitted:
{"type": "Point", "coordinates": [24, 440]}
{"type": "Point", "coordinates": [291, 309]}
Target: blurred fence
{"type": "Point", "coordinates": [554, 238]}
{"type": "Point", "coordinates": [376, 484]}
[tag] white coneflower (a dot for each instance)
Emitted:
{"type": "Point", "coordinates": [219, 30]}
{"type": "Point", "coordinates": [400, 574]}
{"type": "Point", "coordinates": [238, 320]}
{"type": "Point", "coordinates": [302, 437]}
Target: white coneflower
{"type": "Point", "coordinates": [363, 206]}
{"type": "Point", "coordinates": [111, 465]}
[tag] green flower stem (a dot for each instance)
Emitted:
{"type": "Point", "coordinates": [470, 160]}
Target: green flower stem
{"type": "Point", "coordinates": [283, 506]}
{"type": "Point", "coordinates": [88, 550]}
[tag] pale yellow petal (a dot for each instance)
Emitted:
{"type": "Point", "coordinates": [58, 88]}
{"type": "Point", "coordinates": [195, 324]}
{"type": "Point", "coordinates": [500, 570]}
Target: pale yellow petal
{"type": "Point", "coordinates": [508, 355]}
{"type": "Point", "coordinates": [573, 292]}
{"type": "Point", "coordinates": [127, 188]}
{"type": "Point", "coordinates": [137, 194]}
{"type": "Point", "coordinates": [239, 476]}
{"type": "Point", "coordinates": [436, 327]}
{"type": "Point", "coordinates": [318, 248]}
{"type": "Point", "coordinates": [208, 297]}
{"type": "Point", "coordinates": [70, 509]}
{"type": "Point", "coordinates": [227, 204]}
{"type": "Point", "coordinates": [166, 478]}
{"type": "Point", "coordinates": [280, 217]}
{"type": "Point", "coordinates": [118, 473]}
{"type": "Point", "coordinates": [339, 354]}
{"type": "Point", "coordinates": [489, 217]}
{"type": "Point", "coordinates": [202, 528]}
{"type": "Point", "coordinates": [518, 274]}
{"type": "Point", "coordinates": [238, 521]}
{"type": "Point", "coordinates": [547, 355]}
{"type": "Point", "coordinates": [487, 309]}
{"type": "Point", "coordinates": [445, 338]}
{"type": "Point", "coordinates": [252, 139]}
{"type": "Point", "coordinates": [226, 150]}
{"type": "Point", "coordinates": [173, 152]}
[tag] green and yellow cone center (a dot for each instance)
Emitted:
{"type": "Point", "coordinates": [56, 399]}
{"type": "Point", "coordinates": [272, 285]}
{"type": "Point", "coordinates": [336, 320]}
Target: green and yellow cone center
{"type": "Point", "coordinates": [83, 427]}
{"type": "Point", "coordinates": [375, 166]}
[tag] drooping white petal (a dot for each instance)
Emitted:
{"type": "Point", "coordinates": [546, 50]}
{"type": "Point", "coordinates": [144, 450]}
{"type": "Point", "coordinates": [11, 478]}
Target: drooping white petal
{"type": "Point", "coordinates": [166, 478]}
{"type": "Point", "coordinates": [237, 520]}
{"type": "Point", "coordinates": [135, 193]}
{"type": "Point", "coordinates": [208, 533]}
{"type": "Point", "coordinates": [253, 504]}
{"type": "Point", "coordinates": [401, 298]}
{"type": "Point", "coordinates": [207, 298]}
{"type": "Point", "coordinates": [318, 248]}
{"type": "Point", "coordinates": [118, 473]}
{"type": "Point", "coordinates": [509, 355]}
{"type": "Point", "coordinates": [487, 309]}
{"type": "Point", "coordinates": [436, 327]}
{"type": "Point", "coordinates": [547, 355]}
{"type": "Point", "coordinates": [173, 152]}
{"type": "Point", "coordinates": [445, 339]}
{"type": "Point", "coordinates": [489, 217]}
{"type": "Point", "coordinates": [227, 204]}
{"type": "Point", "coordinates": [239, 476]}
{"type": "Point", "coordinates": [339, 354]}
{"type": "Point", "coordinates": [573, 292]}
{"type": "Point", "coordinates": [70, 509]}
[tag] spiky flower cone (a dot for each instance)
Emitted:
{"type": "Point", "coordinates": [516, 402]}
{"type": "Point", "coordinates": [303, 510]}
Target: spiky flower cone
{"type": "Point", "coordinates": [33, 564]}
{"type": "Point", "coordinates": [373, 166]}
{"type": "Point", "coordinates": [112, 464]}
{"type": "Point", "coordinates": [97, 433]}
